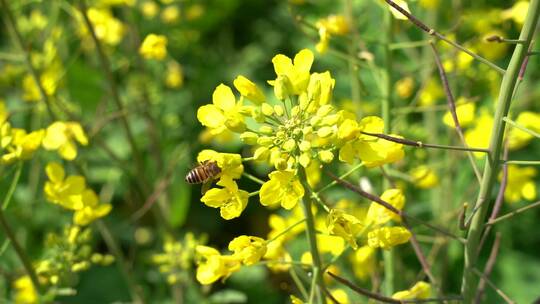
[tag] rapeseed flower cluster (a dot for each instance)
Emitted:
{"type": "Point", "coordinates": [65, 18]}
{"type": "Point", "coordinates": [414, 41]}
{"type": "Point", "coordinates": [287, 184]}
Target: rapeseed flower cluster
{"type": "Point", "coordinates": [291, 131]}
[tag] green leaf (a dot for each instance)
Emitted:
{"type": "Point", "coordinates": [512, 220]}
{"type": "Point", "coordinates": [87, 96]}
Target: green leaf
{"type": "Point", "coordinates": [228, 296]}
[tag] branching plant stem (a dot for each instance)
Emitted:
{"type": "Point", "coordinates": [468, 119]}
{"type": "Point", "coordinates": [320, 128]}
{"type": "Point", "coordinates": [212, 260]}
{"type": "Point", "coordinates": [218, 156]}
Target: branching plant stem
{"type": "Point", "coordinates": [491, 170]}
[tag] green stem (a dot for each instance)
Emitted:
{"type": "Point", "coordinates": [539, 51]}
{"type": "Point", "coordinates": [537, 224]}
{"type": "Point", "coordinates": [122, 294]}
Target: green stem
{"type": "Point", "coordinates": [388, 255]}
{"type": "Point", "coordinates": [298, 283]}
{"type": "Point", "coordinates": [10, 20]}
{"type": "Point", "coordinates": [286, 230]}
{"type": "Point", "coordinates": [12, 186]}
{"type": "Point", "coordinates": [253, 178]}
{"type": "Point", "coordinates": [522, 162]}
{"type": "Point", "coordinates": [312, 239]}
{"type": "Point", "coordinates": [511, 214]}
{"type": "Point", "coordinates": [522, 128]}
{"type": "Point", "coordinates": [470, 281]}
{"type": "Point", "coordinates": [113, 246]}
{"type": "Point", "coordinates": [10, 236]}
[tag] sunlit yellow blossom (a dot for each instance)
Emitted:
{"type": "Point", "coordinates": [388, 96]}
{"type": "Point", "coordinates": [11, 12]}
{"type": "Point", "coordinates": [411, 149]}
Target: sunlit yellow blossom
{"type": "Point", "coordinates": [66, 192]}
{"type": "Point", "coordinates": [404, 87]}
{"type": "Point", "coordinates": [91, 209]}
{"type": "Point", "coordinates": [478, 136]}
{"type": "Point", "coordinates": [517, 138]}
{"type": "Point", "coordinates": [248, 249]}
{"type": "Point", "coordinates": [107, 28]}
{"type": "Point", "coordinates": [154, 47]}
{"type": "Point", "coordinates": [420, 290]}
{"type": "Point", "coordinates": [62, 136]}
{"type": "Point", "coordinates": [431, 92]}
{"type": "Point", "coordinates": [24, 290]}
{"type": "Point", "coordinates": [517, 12]}
{"type": "Point", "coordinates": [214, 266]}
{"type": "Point", "coordinates": [344, 225]}
{"type": "Point", "coordinates": [170, 14]}
{"type": "Point", "coordinates": [3, 112]}
{"type": "Point", "coordinates": [340, 296]}
{"type": "Point", "coordinates": [149, 9]}
{"type": "Point", "coordinates": [230, 200]}
{"type": "Point", "coordinates": [229, 163]}
{"type": "Point", "coordinates": [520, 184]}
{"type": "Point", "coordinates": [396, 13]}
{"type": "Point", "coordinates": [224, 112]}
{"type": "Point", "coordinates": [330, 243]}
{"type": "Point", "coordinates": [378, 214]}
{"type": "Point", "coordinates": [424, 177]}
{"type": "Point", "coordinates": [249, 90]}
{"type": "Point", "coordinates": [363, 261]}
{"type": "Point", "coordinates": [464, 111]}
{"type": "Point", "coordinates": [283, 188]}
{"type": "Point", "coordinates": [294, 299]}
{"type": "Point", "coordinates": [174, 77]}
{"type": "Point", "coordinates": [297, 73]}
{"type": "Point", "coordinates": [17, 144]}
{"type": "Point", "coordinates": [388, 237]}
{"type": "Point", "coordinates": [331, 25]}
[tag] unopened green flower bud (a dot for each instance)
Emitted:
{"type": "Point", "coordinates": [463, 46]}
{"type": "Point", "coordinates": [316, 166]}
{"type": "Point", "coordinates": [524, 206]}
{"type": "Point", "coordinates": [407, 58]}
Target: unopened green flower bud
{"type": "Point", "coordinates": [80, 266]}
{"type": "Point", "coordinates": [314, 90]}
{"type": "Point", "coordinates": [324, 110]}
{"type": "Point", "coordinates": [261, 153]}
{"type": "Point", "coordinates": [304, 160]}
{"type": "Point", "coordinates": [249, 138]}
{"type": "Point", "coordinates": [289, 145]}
{"type": "Point", "coordinates": [267, 109]}
{"type": "Point", "coordinates": [330, 120]}
{"type": "Point", "coordinates": [267, 130]}
{"type": "Point", "coordinates": [325, 132]}
{"type": "Point", "coordinates": [304, 145]}
{"type": "Point", "coordinates": [308, 130]}
{"type": "Point", "coordinates": [265, 140]}
{"type": "Point", "coordinates": [108, 259]}
{"type": "Point", "coordinates": [279, 110]}
{"type": "Point", "coordinates": [96, 258]}
{"type": "Point", "coordinates": [282, 87]}
{"type": "Point", "coordinates": [280, 134]}
{"type": "Point", "coordinates": [326, 156]}
{"type": "Point", "coordinates": [315, 120]}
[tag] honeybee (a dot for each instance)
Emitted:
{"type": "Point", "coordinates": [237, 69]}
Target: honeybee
{"type": "Point", "coordinates": [204, 174]}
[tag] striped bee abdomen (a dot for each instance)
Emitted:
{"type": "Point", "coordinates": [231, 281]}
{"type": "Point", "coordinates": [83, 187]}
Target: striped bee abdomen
{"type": "Point", "coordinates": [203, 173]}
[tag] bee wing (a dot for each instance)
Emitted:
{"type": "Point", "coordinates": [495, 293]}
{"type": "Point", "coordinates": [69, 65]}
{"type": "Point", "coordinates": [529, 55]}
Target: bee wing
{"type": "Point", "coordinates": [206, 186]}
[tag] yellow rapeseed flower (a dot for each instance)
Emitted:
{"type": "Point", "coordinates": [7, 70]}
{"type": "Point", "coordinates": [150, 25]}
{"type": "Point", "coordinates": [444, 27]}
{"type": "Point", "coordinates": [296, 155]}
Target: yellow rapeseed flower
{"type": "Point", "coordinates": [424, 177]}
{"type": "Point", "coordinates": [465, 112]}
{"type": "Point", "coordinates": [62, 136]}
{"type": "Point", "coordinates": [224, 112]}
{"type": "Point", "coordinates": [213, 265]}
{"type": "Point", "coordinates": [24, 291]}
{"type": "Point", "coordinates": [283, 188]}
{"type": "Point", "coordinates": [388, 237]}
{"type": "Point", "coordinates": [520, 184]}
{"type": "Point", "coordinates": [378, 214]}
{"type": "Point", "coordinates": [420, 290]}
{"type": "Point", "coordinates": [517, 138]}
{"type": "Point", "coordinates": [363, 261]}
{"type": "Point", "coordinates": [229, 163]}
{"type": "Point", "coordinates": [344, 225]}
{"type": "Point", "coordinates": [230, 200]}
{"type": "Point", "coordinates": [16, 144]}
{"type": "Point", "coordinates": [154, 47]}
{"type": "Point", "coordinates": [249, 90]}
{"type": "Point", "coordinates": [91, 209]}
{"type": "Point", "coordinates": [66, 192]}
{"type": "Point", "coordinates": [174, 77]}
{"type": "Point", "coordinates": [248, 249]}
{"type": "Point", "coordinates": [297, 73]}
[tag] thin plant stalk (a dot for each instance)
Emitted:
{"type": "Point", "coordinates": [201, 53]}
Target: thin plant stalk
{"type": "Point", "coordinates": [10, 235]}
{"type": "Point", "coordinates": [312, 239]}
{"type": "Point", "coordinates": [470, 280]}
{"type": "Point", "coordinates": [388, 255]}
